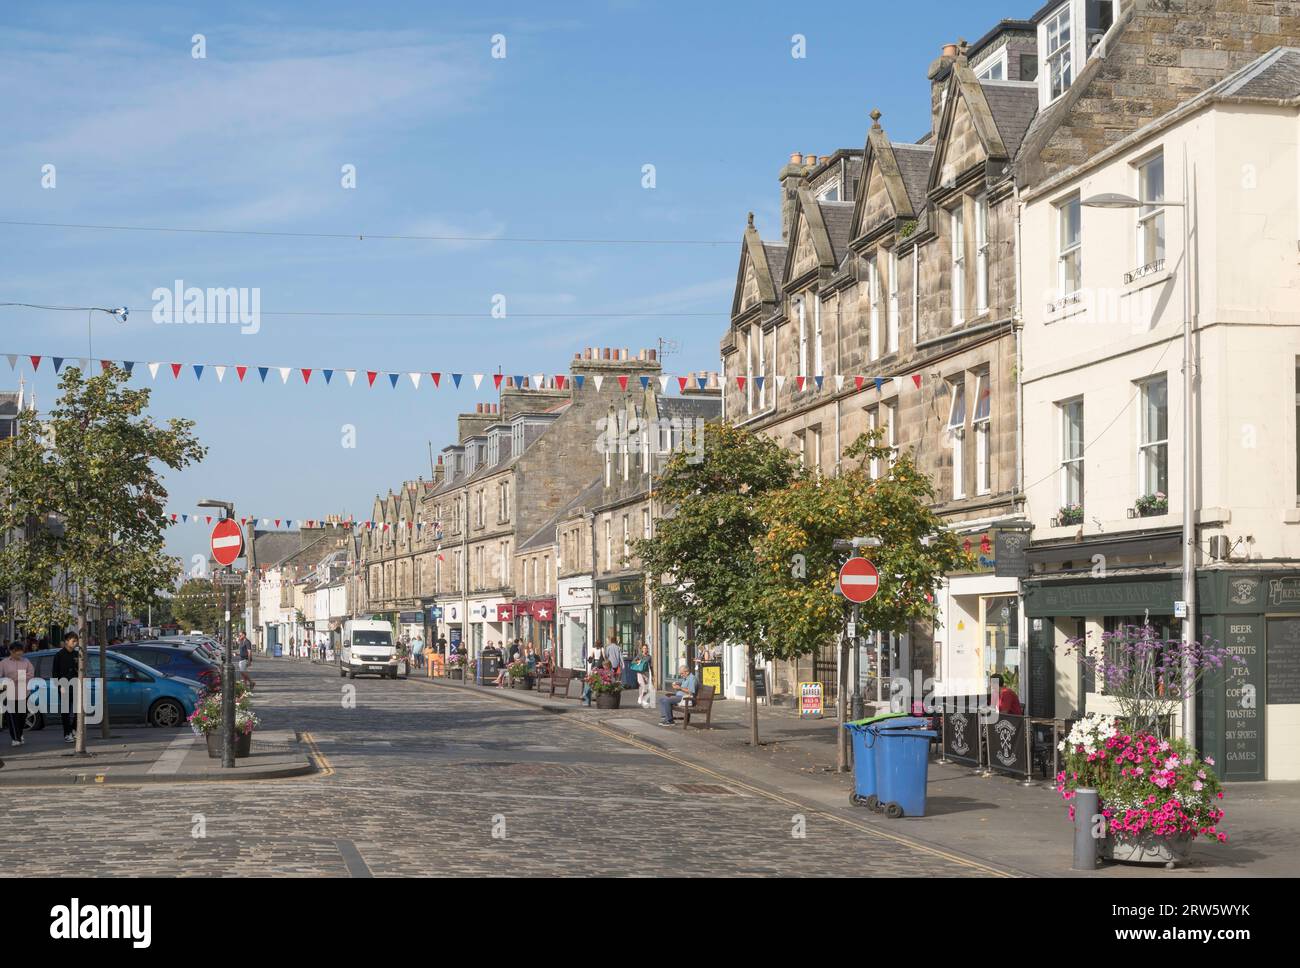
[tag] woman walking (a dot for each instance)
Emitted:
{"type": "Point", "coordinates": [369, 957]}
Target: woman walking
{"type": "Point", "coordinates": [644, 678]}
{"type": "Point", "coordinates": [15, 674]}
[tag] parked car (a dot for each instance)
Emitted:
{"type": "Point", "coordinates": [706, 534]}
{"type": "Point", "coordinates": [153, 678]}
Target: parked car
{"type": "Point", "coordinates": [187, 661]}
{"type": "Point", "coordinates": [136, 693]}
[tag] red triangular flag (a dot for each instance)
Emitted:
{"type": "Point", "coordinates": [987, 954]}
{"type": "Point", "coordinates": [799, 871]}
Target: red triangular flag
{"type": "Point", "coordinates": [857, 382]}
{"type": "Point", "coordinates": [36, 362]}
{"type": "Point", "coordinates": [622, 382]}
{"type": "Point", "coordinates": [243, 520]}
{"type": "Point", "coordinates": [740, 382]}
{"type": "Point", "coordinates": [916, 378]}
{"type": "Point", "coordinates": [559, 381]}
{"type": "Point", "coordinates": [496, 379]}
{"type": "Point", "coordinates": [277, 522]}
{"type": "Point", "coordinates": [306, 376]}
{"type": "Point", "coordinates": [241, 370]}
{"type": "Point", "coordinates": [436, 378]}
{"type": "Point", "coordinates": [799, 381]}
{"type": "Point", "coordinates": [176, 370]}
{"type": "Point", "coordinates": [681, 384]}
{"type": "Point", "coordinates": [370, 375]}
{"type": "Point", "coordinates": [209, 517]}
{"type": "Point", "coordinates": [104, 365]}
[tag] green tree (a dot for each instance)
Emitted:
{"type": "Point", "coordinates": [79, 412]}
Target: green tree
{"type": "Point", "coordinates": [200, 604]}
{"type": "Point", "coordinates": [800, 566]}
{"type": "Point", "coordinates": [701, 558]}
{"type": "Point", "coordinates": [82, 489]}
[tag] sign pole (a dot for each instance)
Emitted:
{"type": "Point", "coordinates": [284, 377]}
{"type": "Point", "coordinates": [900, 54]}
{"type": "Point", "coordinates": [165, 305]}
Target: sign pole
{"type": "Point", "coordinates": [228, 693]}
{"type": "Point", "coordinates": [857, 712]}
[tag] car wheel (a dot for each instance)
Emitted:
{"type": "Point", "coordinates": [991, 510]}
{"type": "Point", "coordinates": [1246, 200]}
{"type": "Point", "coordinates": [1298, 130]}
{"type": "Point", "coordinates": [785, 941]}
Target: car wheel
{"type": "Point", "coordinates": [352, 673]}
{"type": "Point", "coordinates": [34, 721]}
{"type": "Point", "coordinates": [342, 672]}
{"type": "Point", "coordinates": [166, 714]}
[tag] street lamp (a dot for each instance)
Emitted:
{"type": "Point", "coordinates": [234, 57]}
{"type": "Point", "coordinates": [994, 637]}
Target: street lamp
{"type": "Point", "coordinates": [1114, 200]}
{"type": "Point", "coordinates": [228, 665]}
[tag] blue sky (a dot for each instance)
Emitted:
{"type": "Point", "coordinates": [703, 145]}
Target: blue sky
{"type": "Point", "coordinates": [547, 142]}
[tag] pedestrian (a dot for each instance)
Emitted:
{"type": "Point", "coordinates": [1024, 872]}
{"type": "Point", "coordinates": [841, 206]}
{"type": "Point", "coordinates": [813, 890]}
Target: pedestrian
{"type": "Point", "coordinates": [644, 680]}
{"type": "Point", "coordinates": [442, 644]}
{"type": "Point", "coordinates": [595, 659]}
{"type": "Point", "coordinates": [15, 673]}
{"type": "Point", "coordinates": [682, 690]}
{"type": "Point", "coordinates": [614, 653]}
{"type": "Point", "coordinates": [245, 660]}
{"type": "Point", "coordinates": [64, 672]}
{"type": "Point", "coordinates": [417, 651]}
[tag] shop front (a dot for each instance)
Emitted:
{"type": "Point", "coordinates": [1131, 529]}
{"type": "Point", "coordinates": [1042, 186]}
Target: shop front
{"type": "Point", "coordinates": [491, 622]}
{"type": "Point", "coordinates": [535, 623]}
{"type": "Point", "coordinates": [450, 623]}
{"type": "Point", "coordinates": [410, 625]}
{"type": "Point", "coordinates": [573, 620]}
{"type": "Point", "coordinates": [979, 632]}
{"type": "Point", "coordinates": [620, 611]}
{"type": "Point", "coordinates": [1248, 714]}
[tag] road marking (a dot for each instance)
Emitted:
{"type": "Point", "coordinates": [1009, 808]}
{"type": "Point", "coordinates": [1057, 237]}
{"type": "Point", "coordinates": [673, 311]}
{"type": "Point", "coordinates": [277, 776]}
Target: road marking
{"type": "Point", "coordinates": [356, 864]}
{"type": "Point", "coordinates": [872, 831]}
{"type": "Point", "coordinates": [322, 764]}
{"type": "Point", "coordinates": [173, 756]}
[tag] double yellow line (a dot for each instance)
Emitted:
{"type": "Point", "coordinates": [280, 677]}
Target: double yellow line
{"type": "Point", "coordinates": [322, 762]}
{"type": "Point", "coordinates": [864, 828]}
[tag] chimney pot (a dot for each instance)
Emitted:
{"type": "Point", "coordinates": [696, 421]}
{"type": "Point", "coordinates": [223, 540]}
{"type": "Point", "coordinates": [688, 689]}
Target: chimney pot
{"type": "Point", "coordinates": [795, 158]}
{"type": "Point", "coordinates": [654, 355]}
{"type": "Point", "coordinates": [949, 50]}
{"type": "Point", "coordinates": [809, 160]}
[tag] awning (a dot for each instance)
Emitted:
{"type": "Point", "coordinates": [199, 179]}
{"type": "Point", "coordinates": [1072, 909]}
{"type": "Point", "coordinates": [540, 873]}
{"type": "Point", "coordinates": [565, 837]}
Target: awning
{"type": "Point", "coordinates": [1156, 544]}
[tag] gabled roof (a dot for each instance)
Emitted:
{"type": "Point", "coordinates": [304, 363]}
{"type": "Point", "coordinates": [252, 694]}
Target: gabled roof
{"type": "Point", "coordinates": [965, 88]}
{"type": "Point", "coordinates": [1013, 104]}
{"type": "Point", "coordinates": [903, 170]}
{"type": "Point", "coordinates": [829, 226]}
{"type": "Point", "coordinates": [914, 166]}
{"type": "Point", "coordinates": [757, 255]}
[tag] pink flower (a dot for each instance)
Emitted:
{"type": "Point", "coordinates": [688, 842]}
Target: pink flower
{"type": "Point", "coordinates": [1198, 786]}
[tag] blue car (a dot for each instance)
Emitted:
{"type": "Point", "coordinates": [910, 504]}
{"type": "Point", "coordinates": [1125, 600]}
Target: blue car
{"type": "Point", "coordinates": [173, 661]}
{"type": "Point", "coordinates": [136, 693]}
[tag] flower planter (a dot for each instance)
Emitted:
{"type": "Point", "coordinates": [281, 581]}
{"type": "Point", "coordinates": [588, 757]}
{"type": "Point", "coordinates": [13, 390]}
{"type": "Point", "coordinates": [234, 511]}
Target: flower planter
{"type": "Point", "coordinates": [243, 744]}
{"type": "Point", "coordinates": [608, 700]}
{"type": "Point", "coordinates": [1147, 849]}
{"type": "Point", "coordinates": [456, 673]}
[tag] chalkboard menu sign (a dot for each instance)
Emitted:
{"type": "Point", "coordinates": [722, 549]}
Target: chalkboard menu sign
{"type": "Point", "coordinates": [1243, 726]}
{"type": "Point", "coordinates": [1005, 742]}
{"type": "Point", "coordinates": [1042, 669]}
{"type": "Point", "coordinates": [1283, 662]}
{"type": "Point", "coordinates": [760, 682]}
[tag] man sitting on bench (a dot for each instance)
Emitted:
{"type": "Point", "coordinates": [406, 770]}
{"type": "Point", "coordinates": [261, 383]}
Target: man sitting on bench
{"type": "Point", "coordinates": [682, 690]}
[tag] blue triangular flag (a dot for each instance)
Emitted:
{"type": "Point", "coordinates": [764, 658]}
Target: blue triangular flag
{"type": "Point", "coordinates": [262, 371]}
{"type": "Point", "coordinates": [880, 382]}
{"type": "Point", "coordinates": [701, 381]}
{"type": "Point", "coordinates": [288, 522]}
{"type": "Point", "coordinates": [184, 518]}
{"type": "Point", "coordinates": [198, 371]}
{"type": "Point", "coordinates": [579, 379]}
{"type": "Point", "coordinates": [128, 365]}
{"type": "Point", "coordinates": [58, 362]}
{"type": "Point", "coordinates": [392, 378]}
{"type": "Point", "coordinates": [328, 374]}
{"type": "Point", "coordinates": [645, 382]}
{"type": "Point", "coordinates": [519, 381]}
{"type": "Point", "coordinates": [818, 381]}
{"type": "Point", "coordinates": [759, 381]}
{"type": "Point", "coordinates": [455, 378]}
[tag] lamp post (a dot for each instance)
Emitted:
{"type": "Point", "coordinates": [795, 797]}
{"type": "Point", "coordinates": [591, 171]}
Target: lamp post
{"type": "Point", "coordinates": [1111, 200]}
{"type": "Point", "coordinates": [228, 663]}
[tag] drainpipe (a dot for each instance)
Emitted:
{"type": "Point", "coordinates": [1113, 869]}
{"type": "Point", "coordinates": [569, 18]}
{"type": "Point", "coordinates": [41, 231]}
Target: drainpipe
{"type": "Point", "coordinates": [1017, 325]}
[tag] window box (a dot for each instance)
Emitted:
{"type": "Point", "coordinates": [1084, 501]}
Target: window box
{"type": "Point", "coordinates": [1151, 505]}
{"type": "Point", "coordinates": [1070, 514]}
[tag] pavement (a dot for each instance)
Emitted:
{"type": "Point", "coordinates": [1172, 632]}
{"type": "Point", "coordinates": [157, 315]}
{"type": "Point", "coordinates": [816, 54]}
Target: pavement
{"type": "Point", "coordinates": [1017, 825]}
{"type": "Point", "coordinates": [142, 754]}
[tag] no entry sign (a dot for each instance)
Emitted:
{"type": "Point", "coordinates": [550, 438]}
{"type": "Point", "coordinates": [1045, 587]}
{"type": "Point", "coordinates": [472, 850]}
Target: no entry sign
{"type": "Point", "coordinates": [859, 580]}
{"type": "Point", "coordinates": [227, 542]}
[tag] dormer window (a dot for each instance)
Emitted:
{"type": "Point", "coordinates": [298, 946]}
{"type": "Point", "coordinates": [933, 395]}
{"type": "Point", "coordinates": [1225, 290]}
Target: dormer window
{"type": "Point", "coordinates": [993, 67]}
{"type": "Point", "coordinates": [1067, 37]}
{"type": "Point", "coordinates": [829, 193]}
{"type": "Point", "coordinates": [1057, 53]}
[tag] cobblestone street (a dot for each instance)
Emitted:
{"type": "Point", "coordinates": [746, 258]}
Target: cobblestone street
{"type": "Point", "coordinates": [417, 781]}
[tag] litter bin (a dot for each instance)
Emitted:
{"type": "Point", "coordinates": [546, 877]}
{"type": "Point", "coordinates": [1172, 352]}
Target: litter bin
{"type": "Point", "coordinates": [488, 667]}
{"type": "Point", "coordinates": [864, 733]}
{"type": "Point", "coordinates": [902, 766]}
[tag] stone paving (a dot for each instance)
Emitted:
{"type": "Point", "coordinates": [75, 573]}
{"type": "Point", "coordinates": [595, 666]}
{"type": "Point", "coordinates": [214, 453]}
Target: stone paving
{"type": "Point", "coordinates": [428, 781]}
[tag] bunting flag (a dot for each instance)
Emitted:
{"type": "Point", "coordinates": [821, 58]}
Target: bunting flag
{"type": "Point", "coordinates": [916, 379]}
{"type": "Point", "coordinates": [328, 375]}
{"type": "Point", "coordinates": [221, 373]}
{"type": "Point", "coordinates": [740, 382]}
{"type": "Point", "coordinates": [36, 362]}
{"type": "Point", "coordinates": [759, 381]}
{"type": "Point", "coordinates": [284, 374]}
{"type": "Point", "coordinates": [240, 371]}
{"type": "Point", "coordinates": [857, 382]}
{"type": "Point", "coordinates": [176, 370]}
{"type": "Point", "coordinates": [701, 382]}
{"type": "Point", "coordinates": [306, 375]}
{"type": "Point", "coordinates": [539, 381]}
{"type": "Point", "coordinates": [351, 375]}
{"type": "Point", "coordinates": [496, 380]}
{"type": "Point", "coordinates": [880, 381]}
{"type": "Point", "coordinates": [645, 382]}
{"type": "Point", "coordinates": [436, 378]}
{"type": "Point", "coordinates": [579, 379]}
{"type": "Point", "coordinates": [392, 379]}
{"type": "Point", "coordinates": [681, 384]}
{"type": "Point", "coordinates": [898, 384]}
{"type": "Point", "coordinates": [198, 371]}
{"type": "Point", "coordinates": [370, 376]}
{"type": "Point", "coordinates": [818, 380]}
{"type": "Point", "coordinates": [415, 380]}
{"type": "Point", "coordinates": [153, 370]}
{"type": "Point", "coordinates": [455, 378]}
{"type": "Point", "coordinates": [129, 365]}
{"type": "Point", "coordinates": [262, 371]}
{"type": "Point", "coordinates": [478, 380]}
{"type": "Point", "coordinates": [598, 380]}
{"type": "Point", "coordinates": [622, 382]}
{"type": "Point", "coordinates": [104, 365]}
{"type": "Point", "coordinates": [780, 382]}
{"type": "Point", "coordinates": [799, 382]}
{"type": "Point", "coordinates": [13, 360]}
{"type": "Point", "coordinates": [839, 382]}
{"type": "Point", "coordinates": [519, 381]}
{"type": "Point", "coordinates": [58, 363]}
{"type": "Point", "coordinates": [559, 381]}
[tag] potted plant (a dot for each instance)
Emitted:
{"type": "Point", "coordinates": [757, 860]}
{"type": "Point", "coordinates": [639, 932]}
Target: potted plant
{"type": "Point", "coordinates": [456, 666]}
{"type": "Point", "coordinates": [606, 688]}
{"type": "Point", "coordinates": [1156, 795]}
{"type": "Point", "coordinates": [1150, 505]}
{"type": "Point", "coordinates": [517, 672]}
{"type": "Point", "coordinates": [206, 721]}
{"type": "Point", "coordinates": [1070, 514]}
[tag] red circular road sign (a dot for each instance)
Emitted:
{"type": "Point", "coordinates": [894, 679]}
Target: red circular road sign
{"type": "Point", "coordinates": [227, 542]}
{"type": "Point", "coordinates": [859, 580]}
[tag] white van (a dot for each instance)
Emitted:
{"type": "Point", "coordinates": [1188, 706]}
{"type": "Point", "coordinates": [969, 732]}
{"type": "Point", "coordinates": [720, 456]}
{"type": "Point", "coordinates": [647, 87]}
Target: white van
{"type": "Point", "coordinates": [367, 649]}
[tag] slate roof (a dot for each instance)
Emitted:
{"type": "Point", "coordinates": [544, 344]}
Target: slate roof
{"type": "Point", "coordinates": [690, 406]}
{"type": "Point", "coordinates": [1274, 76]}
{"type": "Point", "coordinates": [838, 217]}
{"type": "Point", "coordinates": [272, 547]}
{"type": "Point", "coordinates": [1013, 105]}
{"type": "Point", "coordinates": [776, 253]}
{"type": "Point", "coordinates": [914, 166]}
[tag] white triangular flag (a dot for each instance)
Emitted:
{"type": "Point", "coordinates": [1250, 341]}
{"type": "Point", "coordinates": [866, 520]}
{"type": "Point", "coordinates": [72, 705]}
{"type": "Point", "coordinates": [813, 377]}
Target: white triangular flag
{"type": "Point", "coordinates": [13, 361]}
{"type": "Point", "coordinates": [839, 382]}
{"type": "Point", "coordinates": [284, 374]}
{"type": "Point", "coordinates": [780, 381]}
{"type": "Point", "coordinates": [153, 370]}
{"type": "Point", "coordinates": [415, 379]}
{"type": "Point", "coordinates": [351, 375]}
{"type": "Point", "coordinates": [598, 381]}
{"type": "Point", "coordinates": [85, 364]}
{"type": "Point", "coordinates": [478, 379]}
{"type": "Point", "coordinates": [221, 373]}
{"type": "Point", "coordinates": [898, 383]}
{"type": "Point", "coordinates": [539, 381]}
{"type": "Point", "coordinates": [663, 383]}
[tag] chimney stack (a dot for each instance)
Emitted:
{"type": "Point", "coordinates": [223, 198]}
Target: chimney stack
{"type": "Point", "coordinates": [792, 178]}
{"type": "Point", "coordinates": [940, 71]}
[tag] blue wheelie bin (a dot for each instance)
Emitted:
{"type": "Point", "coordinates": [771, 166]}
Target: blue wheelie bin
{"type": "Point", "coordinates": [902, 767]}
{"type": "Point", "coordinates": [864, 733]}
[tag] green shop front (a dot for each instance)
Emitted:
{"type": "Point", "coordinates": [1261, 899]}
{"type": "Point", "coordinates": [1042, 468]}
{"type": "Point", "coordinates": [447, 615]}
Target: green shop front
{"type": "Point", "coordinates": [1248, 714]}
{"type": "Point", "coordinates": [620, 611]}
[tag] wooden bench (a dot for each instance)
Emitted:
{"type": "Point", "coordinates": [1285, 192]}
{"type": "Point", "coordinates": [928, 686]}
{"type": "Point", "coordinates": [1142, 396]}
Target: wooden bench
{"type": "Point", "coordinates": [558, 679]}
{"type": "Point", "coordinates": [701, 705]}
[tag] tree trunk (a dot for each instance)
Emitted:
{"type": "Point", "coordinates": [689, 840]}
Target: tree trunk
{"type": "Point", "coordinates": [82, 630]}
{"type": "Point", "coordinates": [104, 731]}
{"type": "Point", "coordinates": [753, 699]}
